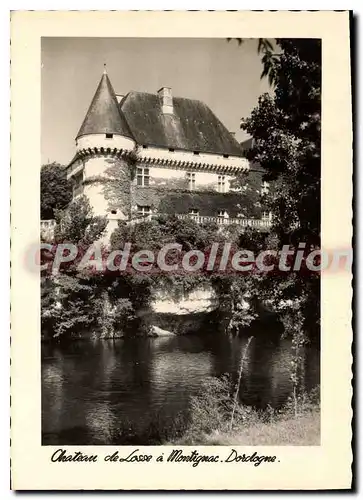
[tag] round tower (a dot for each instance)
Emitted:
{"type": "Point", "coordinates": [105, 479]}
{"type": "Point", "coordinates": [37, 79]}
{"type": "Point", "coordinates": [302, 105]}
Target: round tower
{"type": "Point", "coordinates": [105, 145]}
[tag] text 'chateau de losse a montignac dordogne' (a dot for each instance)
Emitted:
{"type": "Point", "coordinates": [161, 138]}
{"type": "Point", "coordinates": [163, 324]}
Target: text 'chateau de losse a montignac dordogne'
{"type": "Point", "coordinates": [169, 155]}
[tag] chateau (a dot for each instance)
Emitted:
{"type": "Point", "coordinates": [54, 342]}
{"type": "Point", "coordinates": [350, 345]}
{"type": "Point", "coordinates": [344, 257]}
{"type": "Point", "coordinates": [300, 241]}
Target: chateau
{"type": "Point", "coordinates": [141, 154]}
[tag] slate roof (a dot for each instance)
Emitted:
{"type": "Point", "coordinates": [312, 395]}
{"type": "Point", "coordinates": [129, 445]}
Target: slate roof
{"type": "Point", "coordinates": [247, 144]}
{"type": "Point", "coordinates": [192, 127]}
{"type": "Point", "coordinates": [103, 115]}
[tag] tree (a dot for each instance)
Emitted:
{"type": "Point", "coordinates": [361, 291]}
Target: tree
{"type": "Point", "coordinates": [73, 300]}
{"type": "Point", "coordinates": [286, 132]}
{"type": "Point", "coordinates": [78, 224]}
{"type": "Point", "coordinates": [55, 190]}
{"type": "Point", "coordinates": [286, 127]}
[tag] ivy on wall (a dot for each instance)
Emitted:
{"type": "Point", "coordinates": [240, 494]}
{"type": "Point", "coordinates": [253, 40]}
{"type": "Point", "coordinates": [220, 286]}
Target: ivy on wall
{"type": "Point", "coordinates": [172, 196]}
{"type": "Point", "coordinates": [117, 191]}
{"type": "Point", "coordinates": [117, 182]}
{"type": "Point", "coordinates": [208, 203]}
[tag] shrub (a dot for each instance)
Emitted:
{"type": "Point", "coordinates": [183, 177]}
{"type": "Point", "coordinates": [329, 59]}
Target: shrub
{"type": "Point", "coordinates": [304, 403]}
{"type": "Point", "coordinates": [211, 412]}
{"type": "Point", "coordinates": [211, 409]}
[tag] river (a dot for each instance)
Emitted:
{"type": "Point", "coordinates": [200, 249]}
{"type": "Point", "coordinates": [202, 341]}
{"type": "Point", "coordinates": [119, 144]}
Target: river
{"type": "Point", "coordinates": [137, 391]}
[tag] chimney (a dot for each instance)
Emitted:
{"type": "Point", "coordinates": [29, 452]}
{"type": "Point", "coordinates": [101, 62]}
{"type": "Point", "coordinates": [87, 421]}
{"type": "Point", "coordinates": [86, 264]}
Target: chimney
{"type": "Point", "coordinates": [166, 100]}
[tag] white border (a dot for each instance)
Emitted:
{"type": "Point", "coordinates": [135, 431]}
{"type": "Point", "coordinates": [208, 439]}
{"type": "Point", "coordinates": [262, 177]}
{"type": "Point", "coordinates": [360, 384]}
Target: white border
{"type": "Point", "coordinates": [106, 4]}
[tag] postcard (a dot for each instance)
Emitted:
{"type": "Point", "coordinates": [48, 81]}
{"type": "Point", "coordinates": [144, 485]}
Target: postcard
{"type": "Point", "coordinates": [181, 201]}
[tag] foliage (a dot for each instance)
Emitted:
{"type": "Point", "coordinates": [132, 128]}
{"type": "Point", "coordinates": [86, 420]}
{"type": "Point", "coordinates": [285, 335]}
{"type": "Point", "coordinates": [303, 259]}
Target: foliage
{"type": "Point", "coordinates": [303, 403]}
{"type": "Point", "coordinates": [155, 234]}
{"type": "Point", "coordinates": [238, 385]}
{"type": "Point", "coordinates": [266, 49]}
{"type": "Point", "coordinates": [115, 315]}
{"type": "Point", "coordinates": [208, 203]}
{"type": "Point", "coordinates": [117, 184]}
{"type": "Point", "coordinates": [72, 301]}
{"type": "Point", "coordinates": [80, 300]}
{"type": "Point", "coordinates": [212, 406]}
{"type": "Point", "coordinates": [55, 190]}
{"type": "Point", "coordinates": [286, 132]}
{"type": "Point", "coordinates": [77, 224]}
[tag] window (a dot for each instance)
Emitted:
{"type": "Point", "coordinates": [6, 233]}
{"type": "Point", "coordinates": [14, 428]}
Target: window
{"type": "Point", "coordinates": [113, 212]}
{"type": "Point", "coordinates": [265, 187]}
{"type": "Point", "coordinates": [191, 180]}
{"type": "Point", "coordinates": [171, 150]}
{"type": "Point", "coordinates": [193, 211]}
{"type": "Point", "coordinates": [196, 152]}
{"type": "Point", "coordinates": [144, 146]}
{"type": "Point", "coordinates": [142, 176]}
{"type": "Point", "coordinates": [109, 136]}
{"type": "Point", "coordinates": [223, 213]}
{"type": "Point", "coordinates": [266, 215]}
{"type": "Point", "coordinates": [225, 156]}
{"type": "Point", "coordinates": [143, 210]}
{"type": "Point", "coordinates": [221, 184]}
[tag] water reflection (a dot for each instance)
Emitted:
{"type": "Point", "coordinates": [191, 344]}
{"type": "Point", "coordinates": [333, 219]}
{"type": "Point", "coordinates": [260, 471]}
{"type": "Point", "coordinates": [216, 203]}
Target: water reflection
{"type": "Point", "coordinates": [132, 391]}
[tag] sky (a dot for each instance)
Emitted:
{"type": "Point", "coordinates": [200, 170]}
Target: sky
{"type": "Point", "coordinates": [222, 74]}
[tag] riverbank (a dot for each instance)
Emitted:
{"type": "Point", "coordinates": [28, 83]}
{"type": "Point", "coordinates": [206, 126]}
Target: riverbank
{"type": "Point", "coordinates": [303, 430]}
{"type": "Point", "coordinates": [217, 418]}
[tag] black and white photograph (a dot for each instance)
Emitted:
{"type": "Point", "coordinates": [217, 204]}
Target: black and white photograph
{"type": "Point", "coordinates": [180, 216]}
{"type": "Point", "coordinates": [181, 250]}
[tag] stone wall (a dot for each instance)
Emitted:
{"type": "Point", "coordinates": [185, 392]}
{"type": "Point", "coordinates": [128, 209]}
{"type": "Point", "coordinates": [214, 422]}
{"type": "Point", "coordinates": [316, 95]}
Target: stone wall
{"type": "Point", "coordinates": [110, 183]}
{"type": "Point", "coordinates": [107, 184]}
{"type": "Point", "coordinates": [202, 299]}
{"type": "Point", "coordinates": [182, 313]}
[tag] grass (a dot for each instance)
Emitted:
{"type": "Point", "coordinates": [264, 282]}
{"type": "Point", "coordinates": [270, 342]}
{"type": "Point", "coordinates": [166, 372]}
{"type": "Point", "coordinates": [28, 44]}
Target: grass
{"type": "Point", "coordinates": [216, 419]}
{"type": "Point", "coordinates": [303, 430]}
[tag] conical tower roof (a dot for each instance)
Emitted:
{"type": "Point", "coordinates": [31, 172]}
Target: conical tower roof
{"type": "Point", "coordinates": [104, 115]}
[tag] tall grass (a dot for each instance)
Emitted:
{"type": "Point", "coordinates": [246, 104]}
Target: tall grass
{"type": "Point", "coordinates": [216, 411]}
{"type": "Point", "coordinates": [235, 400]}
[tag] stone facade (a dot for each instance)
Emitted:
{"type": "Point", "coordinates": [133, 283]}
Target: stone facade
{"type": "Point", "coordinates": [126, 180]}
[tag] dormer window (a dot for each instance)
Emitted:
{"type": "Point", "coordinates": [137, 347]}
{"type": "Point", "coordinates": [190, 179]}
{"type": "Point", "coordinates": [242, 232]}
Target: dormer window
{"type": "Point", "coordinates": [144, 146]}
{"type": "Point", "coordinates": [109, 136]}
{"type": "Point", "coordinates": [223, 214]}
{"type": "Point", "coordinates": [225, 156]}
{"type": "Point", "coordinates": [196, 152]}
{"type": "Point", "coordinates": [193, 211]}
{"type": "Point", "coordinates": [171, 150]}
